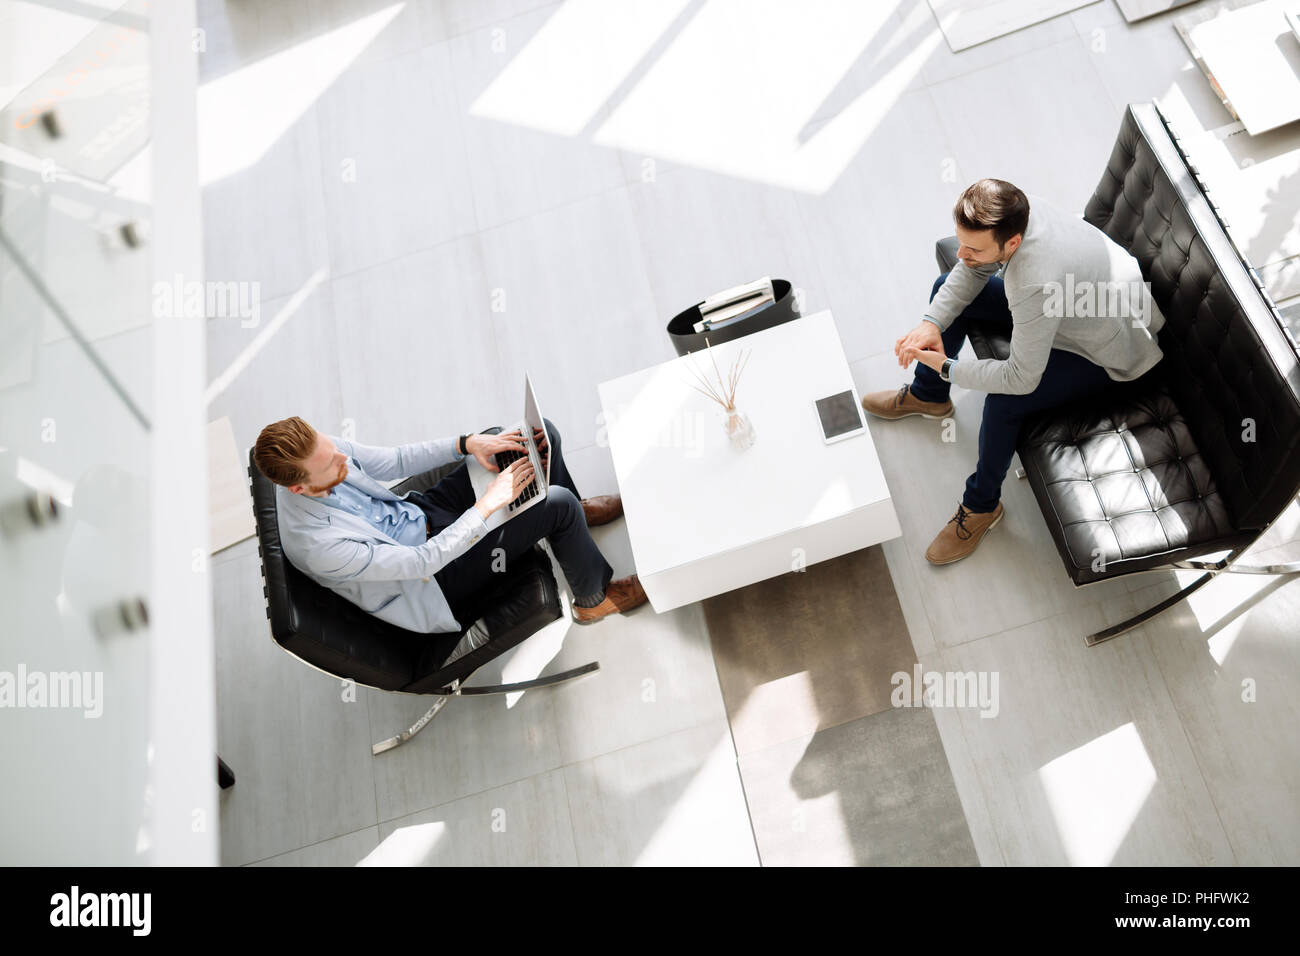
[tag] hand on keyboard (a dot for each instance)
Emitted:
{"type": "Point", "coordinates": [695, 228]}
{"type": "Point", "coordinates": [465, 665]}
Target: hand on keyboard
{"type": "Point", "coordinates": [485, 448]}
{"type": "Point", "coordinates": [505, 459]}
{"type": "Point", "coordinates": [511, 486]}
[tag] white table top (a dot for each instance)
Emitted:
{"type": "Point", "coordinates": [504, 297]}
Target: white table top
{"type": "Point", "coordinates": [687, 493]}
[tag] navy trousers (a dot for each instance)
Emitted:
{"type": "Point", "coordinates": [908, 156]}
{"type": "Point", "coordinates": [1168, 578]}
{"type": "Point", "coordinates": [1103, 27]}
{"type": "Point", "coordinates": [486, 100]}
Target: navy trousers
{"type": "Point", "coordinates": [1067, 377]}
{"type": "Point", "coordinates": [558, 518]}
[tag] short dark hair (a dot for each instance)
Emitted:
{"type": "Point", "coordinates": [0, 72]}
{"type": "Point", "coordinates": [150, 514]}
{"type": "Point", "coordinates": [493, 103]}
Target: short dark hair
{"type": "Point", "coordinates": [281, 449]}
{"type": "Point", "coordinates": [993, 204]}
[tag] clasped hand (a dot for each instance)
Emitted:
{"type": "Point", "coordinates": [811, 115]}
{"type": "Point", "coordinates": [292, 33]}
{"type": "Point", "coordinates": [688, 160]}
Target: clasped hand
{"type": "Point", "coordinates": [923, 344]}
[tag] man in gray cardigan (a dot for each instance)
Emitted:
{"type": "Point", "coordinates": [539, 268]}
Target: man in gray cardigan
{"type": "Point", "coordinates": [1080, 317]}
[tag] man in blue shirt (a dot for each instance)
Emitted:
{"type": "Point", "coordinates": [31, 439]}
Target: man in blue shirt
{"type": "Point", "coordinates": [420, 560]}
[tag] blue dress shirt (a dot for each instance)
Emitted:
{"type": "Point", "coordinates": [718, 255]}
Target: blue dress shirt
{"type": "Point", "coordinates": [403, 521]}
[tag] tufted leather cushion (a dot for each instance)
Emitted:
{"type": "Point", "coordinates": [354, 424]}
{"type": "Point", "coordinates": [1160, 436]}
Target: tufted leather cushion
{"type": "Point", "coordinates": [331, 633]}
{"type": "Point", "coordinates": [1161, 469]}
{"type": "Point", "coordinates": [1122, 484]}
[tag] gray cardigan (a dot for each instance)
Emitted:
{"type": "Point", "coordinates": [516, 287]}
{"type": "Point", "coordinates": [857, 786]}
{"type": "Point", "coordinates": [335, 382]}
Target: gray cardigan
{"type": "Point", "coordinates": [1069, 287]}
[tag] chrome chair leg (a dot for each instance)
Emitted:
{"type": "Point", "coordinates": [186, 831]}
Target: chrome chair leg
{"type": "Point", "coordinates": [414, 729]}
{"type": "Point", "coordinates": [550, 681]}
{"type": "Point", "coordinates": [454, 689]}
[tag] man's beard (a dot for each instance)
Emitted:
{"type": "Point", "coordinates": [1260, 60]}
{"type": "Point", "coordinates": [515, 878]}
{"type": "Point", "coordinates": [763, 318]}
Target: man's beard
{"type": "Point", "coordinates": [343, 473]}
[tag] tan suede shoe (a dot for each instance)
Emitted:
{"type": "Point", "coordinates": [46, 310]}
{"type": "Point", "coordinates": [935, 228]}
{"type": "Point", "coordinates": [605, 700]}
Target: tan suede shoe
{"type": "Point", "coordinates": [621, 595]}
{"type": "Point", "coordinates": [962, 534]}
{"type": "Point", "coordinates": [901, 403]}
{"type": "Point", "coordinates": [602, 509]}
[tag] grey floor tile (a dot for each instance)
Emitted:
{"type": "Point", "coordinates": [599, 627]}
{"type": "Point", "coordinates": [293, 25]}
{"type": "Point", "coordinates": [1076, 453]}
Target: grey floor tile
{"type": "Point", "coordinates": [1144, 61]}
{"type": "Point", "coordinates": [287, 364]}
{"type": "Point", "coordinates": [873, 792]}
{"type": "Point", "coordinates": [741, 231]}
{"type": "Point", "coordinates": [792, 121]}
{"type": "Point", "coordinates": [878, 279]}
{"type": "Point", "coordinates": [1230, 660]}
{"type": "Point", "coordinates": [656, 677]}
{"type": "Point", "coordinates": [299, 750]}
{"type": "Point", "coordinates": [335, 33]}
{"type": "Point", "coordinates": [1085, 760]}
{"type": "Point", "coordinates": [424, 389]}
{"type": "Point", "coordinates": [1016, 576]}
{"type": "Point", "coordinates": [672, 801]}
{"type": "Point", "coordinates": [392, 161]}
{"type": "Point", "coordinates": [967, 24]}
{"type": "Point", "coordinates": [472, 745]}
{"type": "Point", "coordinates": [970, 791]}
{"type": "Point", "coordinates": [270, 190]}
{"type": "Point", "coordinates": [346, 850]}
{"type": "Point", "coordinates": [566, 321]}
{"type": "Point", "coordinates": [808, 650]}
{"type": "Point", "coordinates": [515, 81]}
{"type": "Point", "coordinates": [1056, 153]}
{"type": "Point", "coordinates": [943, 64]}
{"type": "Point", "coordinates": [462, 16]}
{"type": "Point", "coordinates": [525, 823]}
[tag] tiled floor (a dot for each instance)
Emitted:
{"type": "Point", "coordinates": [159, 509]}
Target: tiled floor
{"type": "Point", "coordinates": [449, 193]}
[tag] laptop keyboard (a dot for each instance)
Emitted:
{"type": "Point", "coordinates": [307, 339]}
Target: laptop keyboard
{"type": "Point", "coordinates": [503, 460]}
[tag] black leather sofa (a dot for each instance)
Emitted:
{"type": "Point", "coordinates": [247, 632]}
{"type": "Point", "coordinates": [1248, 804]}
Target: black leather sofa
{"type": "Point", "coordinates": [332, 634]}
{"type": "Point", "coordinates": [1166, 469]}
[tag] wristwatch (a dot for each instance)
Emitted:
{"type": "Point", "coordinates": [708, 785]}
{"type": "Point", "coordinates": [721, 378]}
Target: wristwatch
{"type": "Point", "coordinates": [943, 370]}
{"type": "Point", "coordinates": [462, 445]}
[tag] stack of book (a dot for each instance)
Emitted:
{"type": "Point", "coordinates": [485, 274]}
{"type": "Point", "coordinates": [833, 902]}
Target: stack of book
{"type": "Point", "coordinates": [735, 305]}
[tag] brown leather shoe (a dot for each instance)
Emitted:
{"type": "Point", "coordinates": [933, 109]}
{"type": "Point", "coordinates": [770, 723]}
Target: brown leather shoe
{"type": "Point", "coordinates": [602, 509]}
{"type": "Point", "coordinates": [962, 534]}
{"type": "Point", "coordinates": [901, 403]}
{"type": "Point", "coordinates": [621, 595]}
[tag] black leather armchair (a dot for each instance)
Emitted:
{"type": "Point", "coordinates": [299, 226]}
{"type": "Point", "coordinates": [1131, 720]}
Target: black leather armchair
{"type": "Point", "coordinates": [325, 630]}
{"type": "Point", "coordinates": [1200, 455]}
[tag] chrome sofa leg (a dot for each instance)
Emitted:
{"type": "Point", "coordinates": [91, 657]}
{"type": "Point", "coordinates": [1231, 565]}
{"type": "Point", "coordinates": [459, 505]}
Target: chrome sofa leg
{"type": "Point", "coordinates": [1222, 566]}
{"type": "Point", "coordinates": [1291, 567]}
{"type": "Point", "coordinates": [1092, 640]}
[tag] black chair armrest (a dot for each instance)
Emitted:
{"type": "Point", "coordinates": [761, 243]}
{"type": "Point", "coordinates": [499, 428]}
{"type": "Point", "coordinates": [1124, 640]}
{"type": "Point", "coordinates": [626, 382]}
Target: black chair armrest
{"type": "Point", "coordinates": [526, 600]}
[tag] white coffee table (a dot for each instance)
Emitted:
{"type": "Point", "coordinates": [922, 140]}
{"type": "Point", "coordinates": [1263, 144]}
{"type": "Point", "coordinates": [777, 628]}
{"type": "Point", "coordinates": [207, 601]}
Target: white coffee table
{"type": "Point", "coordinates": [705, 518]}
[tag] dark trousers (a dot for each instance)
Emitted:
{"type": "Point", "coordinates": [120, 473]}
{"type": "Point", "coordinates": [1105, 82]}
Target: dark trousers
{"type": "Point", "coordinates": [558, 518]}
{"type": "Point", "coordinates": [1067, 377]}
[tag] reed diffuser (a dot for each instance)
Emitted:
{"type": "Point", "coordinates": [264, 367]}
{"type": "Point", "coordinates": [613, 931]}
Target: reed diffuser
{"type": "Point", "coordinates": [735, 422]}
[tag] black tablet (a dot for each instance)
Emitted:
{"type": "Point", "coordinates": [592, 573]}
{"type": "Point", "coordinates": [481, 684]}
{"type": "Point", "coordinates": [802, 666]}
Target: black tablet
{"type": "Point", "coordinates": [840, 416]}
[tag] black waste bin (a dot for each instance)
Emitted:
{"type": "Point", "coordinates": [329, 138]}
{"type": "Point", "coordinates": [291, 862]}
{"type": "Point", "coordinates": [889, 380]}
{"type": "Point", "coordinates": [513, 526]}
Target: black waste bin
{"type": "Point", "coordinates": [685, 339]}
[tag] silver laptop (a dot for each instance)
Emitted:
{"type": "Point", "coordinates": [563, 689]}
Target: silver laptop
{"type": "Point", "coordinates": [480, 477]}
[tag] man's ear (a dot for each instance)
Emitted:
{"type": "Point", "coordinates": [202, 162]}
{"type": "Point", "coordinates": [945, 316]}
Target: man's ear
{"type": "Point", "coordinates": [297, 489]}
